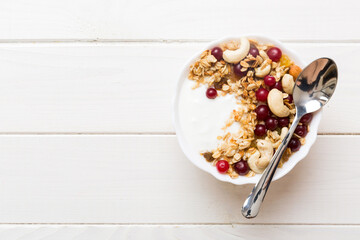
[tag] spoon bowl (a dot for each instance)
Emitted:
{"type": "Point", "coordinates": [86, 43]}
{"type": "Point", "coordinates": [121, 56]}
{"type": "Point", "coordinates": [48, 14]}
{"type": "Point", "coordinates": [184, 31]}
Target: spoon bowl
{"type": "Point", "coordinates": [315, 85]}
{"type": "Point", "coordinates": [312, 90]}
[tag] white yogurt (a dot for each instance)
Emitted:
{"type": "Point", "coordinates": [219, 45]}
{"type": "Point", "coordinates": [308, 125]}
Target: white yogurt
{"type": "Point", "coordinates": [202, 119]}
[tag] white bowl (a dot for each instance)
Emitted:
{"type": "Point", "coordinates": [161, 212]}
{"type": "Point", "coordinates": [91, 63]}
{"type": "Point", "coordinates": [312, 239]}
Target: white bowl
{"type": "Point", "coordinates": [198, 160]}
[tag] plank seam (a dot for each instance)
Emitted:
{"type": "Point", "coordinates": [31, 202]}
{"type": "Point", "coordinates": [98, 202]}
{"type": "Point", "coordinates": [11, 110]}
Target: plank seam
{"type": "Point", "coordinates": [188, 224]}
{"type": "Point", "coordinates": [161, 41]}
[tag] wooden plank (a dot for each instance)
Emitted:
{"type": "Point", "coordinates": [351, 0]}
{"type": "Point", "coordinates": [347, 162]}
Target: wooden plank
{"type": "Point", "coordinates": [146, 179]}
{"type": "Point", "coordinates": [180, 232]}
{"type": "Point", "coordinates": [94, 19]}
{"type": "Point", "coordinates": [107, 88]}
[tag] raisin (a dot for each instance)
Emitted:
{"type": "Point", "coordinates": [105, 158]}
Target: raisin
{"type": "Point", "coordinates": [208, 156]}
{"type": "Point", "coordinates": [218, 85]}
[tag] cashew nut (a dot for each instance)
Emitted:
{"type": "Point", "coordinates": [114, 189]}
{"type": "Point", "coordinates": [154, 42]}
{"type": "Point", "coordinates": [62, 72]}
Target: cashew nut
{"type": "Point", "coordinates": [264, 69]}
{"type": "Point", "coordinates": [259, 160]}
{"type": "Point", "coordinates": [252, 162]}
{"type": "Point", "coordinates": [288, 83]}
{"type": "Point", "coordinates": [276, 103]}
{"type": "Point", "coordinates": [235, 56]}
{"type": "Point", "coordinates": [283, 133]}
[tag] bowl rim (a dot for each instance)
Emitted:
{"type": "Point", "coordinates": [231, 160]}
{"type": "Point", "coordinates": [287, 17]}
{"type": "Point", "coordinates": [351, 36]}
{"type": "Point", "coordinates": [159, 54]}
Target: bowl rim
{"type": "Point", "coordinates": [189, 152]}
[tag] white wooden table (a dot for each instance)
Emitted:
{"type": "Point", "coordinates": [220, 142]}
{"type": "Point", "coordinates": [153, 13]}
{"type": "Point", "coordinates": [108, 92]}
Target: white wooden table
{"type": "Point", "coordinates": [87, 146]}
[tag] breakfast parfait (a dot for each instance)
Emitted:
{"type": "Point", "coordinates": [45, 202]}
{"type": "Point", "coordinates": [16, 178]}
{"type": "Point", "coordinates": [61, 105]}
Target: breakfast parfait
{"type": "Point", "coordinates": [246, 86]}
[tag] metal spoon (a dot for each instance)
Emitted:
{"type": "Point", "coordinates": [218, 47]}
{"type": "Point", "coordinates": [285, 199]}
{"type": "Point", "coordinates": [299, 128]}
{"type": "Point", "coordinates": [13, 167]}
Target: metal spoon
{"type": "Point", "coordinates": [313, 89]}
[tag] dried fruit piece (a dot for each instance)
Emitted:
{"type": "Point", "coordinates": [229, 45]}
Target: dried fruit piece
{"type": "Point", "coordinates": [294, 70]}
{"type": "Point", "coordinates": [218, 85]}
{"type": "Point", "coordinates": [208, 156]}
{"type": "Point", "coordinates": [285, 60]}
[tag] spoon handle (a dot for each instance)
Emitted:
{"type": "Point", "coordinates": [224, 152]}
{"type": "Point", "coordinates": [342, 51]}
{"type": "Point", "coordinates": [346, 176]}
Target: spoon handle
{"type": "Point", "coordinates": [253, 202]}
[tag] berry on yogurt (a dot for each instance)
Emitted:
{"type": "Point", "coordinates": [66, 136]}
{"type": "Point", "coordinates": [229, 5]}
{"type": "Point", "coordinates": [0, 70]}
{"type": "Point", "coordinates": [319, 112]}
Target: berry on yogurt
{"type": "Point", "coordinates": [211, 93]}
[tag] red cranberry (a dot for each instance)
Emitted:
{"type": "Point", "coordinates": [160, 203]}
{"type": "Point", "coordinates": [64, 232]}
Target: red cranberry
{"type": "Point", "coordinates": [217, 53]}
{"type": "Point", "coordinates": [306, 119]}
{"type": "Point", "coordinates": [262, 112]}
{"type": "Point", "coordinates": [222, 166]}
{"type": "Point", "coordinates": [269, 80]}
{"type": "Point", "coordinates": [289, 98]}
{"type": "Point", "coordinates": [301, 130]}
{"type": "Point", "coordinates": [274, 54]}
{"type": "Point", "coordinates": [237, 70]}
{"type": "Point", "coordinates": [278, 86]}
{"type": "Point", "coordinates": [211, 93]}
{"type": "Point", "coordinates": [254, 51]}
{"type": "Point", "coordinates": [241, 167]}
{"type": "Point", "coordinates": [294, 144]}
{"type": "Point", "coordinates": [261, 94]}
{"type": "Point", "coordinates": [284, 122]}
{"type": "Point", "coordinates": [260, 130]}
{"type": "Point", "coordinates": [271, 123]}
